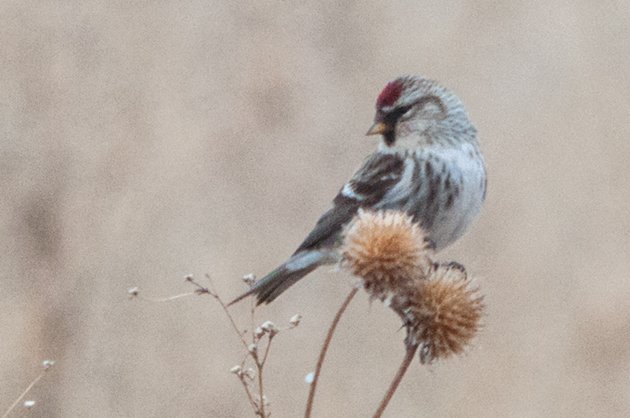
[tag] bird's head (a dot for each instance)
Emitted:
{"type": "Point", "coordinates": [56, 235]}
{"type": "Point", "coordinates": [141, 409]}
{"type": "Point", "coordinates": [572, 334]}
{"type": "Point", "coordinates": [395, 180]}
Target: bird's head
{"type": "Point", "coordinates": [412, 106]}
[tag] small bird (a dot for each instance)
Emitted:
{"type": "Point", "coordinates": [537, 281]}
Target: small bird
{"type": "Point", "coordinates": [428, 164]}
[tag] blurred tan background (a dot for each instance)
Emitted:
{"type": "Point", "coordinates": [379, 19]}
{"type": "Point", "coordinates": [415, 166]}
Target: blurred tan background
{"type": "Point", "coordinates": [145, 140]}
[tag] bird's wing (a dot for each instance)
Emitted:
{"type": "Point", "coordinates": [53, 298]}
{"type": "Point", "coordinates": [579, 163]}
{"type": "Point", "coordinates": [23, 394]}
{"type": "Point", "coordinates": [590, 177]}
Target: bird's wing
{"type": "Point", "coordinates": [368, 186]}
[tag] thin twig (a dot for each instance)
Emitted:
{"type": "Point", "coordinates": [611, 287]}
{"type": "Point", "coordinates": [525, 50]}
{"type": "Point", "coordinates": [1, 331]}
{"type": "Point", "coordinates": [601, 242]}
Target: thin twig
{"type": "Point", "coordinates": [410, 353]}
{"type": "Point", "coordinates": [215, 295]}
{"type": "Point", "coordinates": [252, 309]}
{"type": "Point", "coordinates": [259, 407]}
{"type": "Point", "coordinates": [28, 388]}
{"type": "Point", "coordinates": [262, 363]}
{"type": "Point", "coordinates": [249, 394]}
{"type": "Point", "coordinates": [322, 354]}
{"type": "Point", "coordinates": [167, 299]}
{"type": "Point", "coordinates": [261, 402]}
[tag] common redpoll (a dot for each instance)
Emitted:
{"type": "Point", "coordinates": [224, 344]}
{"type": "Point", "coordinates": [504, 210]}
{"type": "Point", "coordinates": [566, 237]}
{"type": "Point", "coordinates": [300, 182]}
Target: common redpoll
{"type": "Point", "coordinates": [428, 164]}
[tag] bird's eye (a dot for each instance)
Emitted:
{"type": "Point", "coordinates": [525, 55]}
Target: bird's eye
{"type": "Point", "coordinates": [393, 116]}
{"type": "Point", "coordinates": [403, 110]}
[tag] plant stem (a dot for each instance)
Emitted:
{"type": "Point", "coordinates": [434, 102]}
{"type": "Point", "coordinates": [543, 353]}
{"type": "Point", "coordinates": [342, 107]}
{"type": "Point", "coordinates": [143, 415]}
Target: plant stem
{"type": "Point", "coordinates": [212, 292]}
{"type": "Point", "coordinates": [322, 354]}
{"type": "Point", "coordinates": [17, 401]}
{"type": "Point", "coordinates": [261, 396]}
{"type": "Point", "coordinates": [410, 353]}
{"type": "Point", "coordinates": [252, 402]}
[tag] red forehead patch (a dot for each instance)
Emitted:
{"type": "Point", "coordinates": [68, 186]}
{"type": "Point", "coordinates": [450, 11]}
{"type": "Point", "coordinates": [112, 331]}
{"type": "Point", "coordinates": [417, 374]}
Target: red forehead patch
{"type": "Point", "coordinates": [389, 95]}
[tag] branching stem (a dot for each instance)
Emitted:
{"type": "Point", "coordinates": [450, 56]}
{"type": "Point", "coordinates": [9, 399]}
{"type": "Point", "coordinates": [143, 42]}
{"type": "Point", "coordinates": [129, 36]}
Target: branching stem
{"type": "Point", "coordinates": [212, 292]}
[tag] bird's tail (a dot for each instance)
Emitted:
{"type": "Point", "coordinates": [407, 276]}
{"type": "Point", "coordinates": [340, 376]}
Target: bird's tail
{"type": "Point", "coordinates": [280, 279]}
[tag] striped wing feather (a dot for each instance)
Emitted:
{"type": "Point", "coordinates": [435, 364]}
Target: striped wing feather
{"type": "Point", "coordinates": [379, 173]}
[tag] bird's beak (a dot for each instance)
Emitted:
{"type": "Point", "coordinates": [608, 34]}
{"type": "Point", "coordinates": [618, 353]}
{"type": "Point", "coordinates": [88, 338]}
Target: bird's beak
{"type": "Point", "coordinates": [379, 128]}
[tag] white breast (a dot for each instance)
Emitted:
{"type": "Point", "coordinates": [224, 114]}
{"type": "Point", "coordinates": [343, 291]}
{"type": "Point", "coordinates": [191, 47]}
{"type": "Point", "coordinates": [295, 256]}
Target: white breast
{"type": "Point", "coordinates": [466, 165]}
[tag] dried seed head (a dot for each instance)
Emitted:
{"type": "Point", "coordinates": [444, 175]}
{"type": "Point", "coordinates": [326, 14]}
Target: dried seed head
{"type": "Point", "coordinates": [249, 278]}
{"type": "Point", "coordinates": [269, 327]}
{"type": "Point", "coordinates": [308, 379]}
{"type": "Point", "coordinates": [386, 249]}
{"type": "Point", "coordinates": [259, 332]}
{"type": "Point", "coordinates": [47, 364]}
{"type": "Point", "coordinates": [444, 313]}
{"type": "Point", "coordinates": [133, 292]}
{"type": "Point", "coordinates": [295, 320]}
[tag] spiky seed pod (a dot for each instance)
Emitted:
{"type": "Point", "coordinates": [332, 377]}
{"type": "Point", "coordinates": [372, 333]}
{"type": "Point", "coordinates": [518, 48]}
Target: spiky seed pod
{"type": "Point", "coordinates": [387, 250]}
{"type": "Point", "coordinates": [444, 313]}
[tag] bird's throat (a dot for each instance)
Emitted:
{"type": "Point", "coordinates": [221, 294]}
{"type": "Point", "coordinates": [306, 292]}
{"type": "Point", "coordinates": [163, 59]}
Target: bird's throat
{"type": "Point", "coordinates": [389, 138]}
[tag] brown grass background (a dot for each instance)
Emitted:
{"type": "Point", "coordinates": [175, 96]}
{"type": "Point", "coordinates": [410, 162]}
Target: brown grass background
{"type": "Point", "coordinates": [144, 140]}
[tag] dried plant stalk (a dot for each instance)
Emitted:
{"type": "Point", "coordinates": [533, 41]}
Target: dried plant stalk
{"type": "Point", "coordinates": [410, 352]}
{"type": "Point", "coordinates": [324, 350]}
{"type": "Point", "coordinates": [257, 348]}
